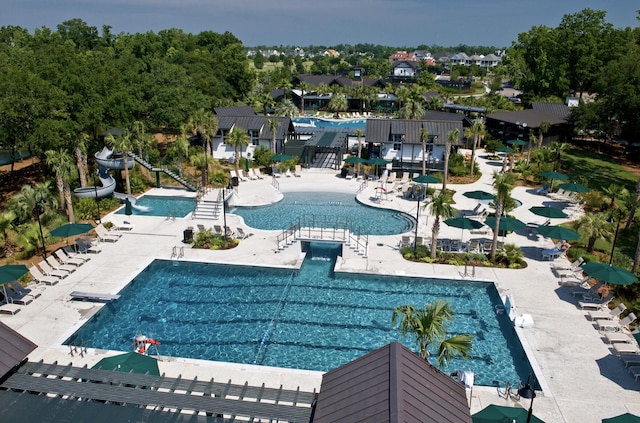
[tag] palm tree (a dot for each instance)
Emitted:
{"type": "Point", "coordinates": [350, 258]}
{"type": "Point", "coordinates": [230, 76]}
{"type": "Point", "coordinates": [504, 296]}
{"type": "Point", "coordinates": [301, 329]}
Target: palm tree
{"type": "Point", "coordinates": [24, 202]}
{"type": "Point", "coordinates": [238, 138]}
{"type": "Point", "coordinates": [424, 137]}
{"type": "Point", "coordinates": [558, 148]}
{"type": "Point", "coordinates": [359, 137]}
{"type": "Point", "coordinates": [503, 183]}
{"type": "Point", "coordinates": [80, 151]}
{"type": "Point", "coordinates": [62, 166]}
{"type": "Point", "coordinates": [452, 137]}
{"type": "Point", "coordinates": [440, 207]}
{"type": "Point", "coordinates": [286, 108]}
{"type": "Point", "coordinates": [199, 161]}
{"type": "Point", "coordinates": [337, 104]}
{"type": "Point", "coordinates": [543, 129]}
{"type": "Point", "coordinates": [614, 191]}
{"type": "Point", "coordinates": [594, 226]}
{"type": "Point", "coordinates": [634, 206]}
{"type": "Point", "coordinates": [273, 127]}
{"type": "Point", "coordinates": [412, 103]}
{"type": "Point", "coordinates": [122, 143]}
{"type": "Point", "coordinates": [429, 325]}
{"type": "Point", "coordinates": [205, 125]}
{"type": "Point", "coordinates": [179, 150]}
{"type": "Point", "coordinates": [476, 132]}
{"type": "Point", "coordinates": [305, 88]}
{"type": "Point", "coordinates": [6, 222]}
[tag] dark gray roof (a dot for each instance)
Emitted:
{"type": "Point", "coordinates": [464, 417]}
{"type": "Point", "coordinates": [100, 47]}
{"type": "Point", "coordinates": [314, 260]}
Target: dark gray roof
{"type": "Point", "coordinates": [258, 123]}
{"type": "Point", "coordinates": [531, 117]}
{"type": "Point", "coordinates": [381, 130]}
{"type": "Point", "coordinates": [234, 111]}
{"type": "Point", "coordinates": [391, 384]}
{"type": "Point", "coordinates": [14, 348]}
{"type": "Point", "coordinates": [317, 80]}
{"type": "Point", "coordinates": [553, 108]}
{"type": "Point", "coordinates": [328, 139]}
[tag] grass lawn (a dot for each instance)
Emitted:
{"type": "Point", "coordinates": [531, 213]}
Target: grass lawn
{"type": "Point", "coordinates": [596, 170]}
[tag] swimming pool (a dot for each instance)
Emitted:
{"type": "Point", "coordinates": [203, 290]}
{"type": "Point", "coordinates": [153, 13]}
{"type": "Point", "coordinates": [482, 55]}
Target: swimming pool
{"type": "Point", "coordinates": [308, 319]}
{"type": "Point", "coordinates": [156, 205]}
{"type": "Point", "coordinates": [340, 207]}
{"type": "Point", "coordinates": [352, 124]}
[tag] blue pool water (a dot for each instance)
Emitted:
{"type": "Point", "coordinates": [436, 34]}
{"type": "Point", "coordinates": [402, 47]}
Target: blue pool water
{"type": "Point", "coordinates": [340, 207]}
{"type": "Point", "coordinates": [154, 205]}
{"type": "Point", "coordinates": [352, 124]}
{"type": "Point", "coordinates": [307, 319]}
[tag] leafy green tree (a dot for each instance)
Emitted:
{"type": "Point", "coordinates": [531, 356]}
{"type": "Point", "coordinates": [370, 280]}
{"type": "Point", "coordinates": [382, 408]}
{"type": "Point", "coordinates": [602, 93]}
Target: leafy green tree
{"type": "Point", "coordinates": [238, 139]}
{"type": "Point", "coordinates": [476, 132]}
{"type": "Point", "coordinates": [23, 203]}
{"type": "Point", "coordinates": [594, 226]}
{"type": "Point", "coordinates": [6, 223]}
{"type": "Point", "coordinates": [503, 183]}
{"type": "Point", "coordinates": [428, 325]}
{"type": "Point", "coordinates": [440, 208]}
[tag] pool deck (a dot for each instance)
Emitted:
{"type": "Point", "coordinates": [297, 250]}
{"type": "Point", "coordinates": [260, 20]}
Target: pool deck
{"type": "Point", "coordinates": [580, 378]}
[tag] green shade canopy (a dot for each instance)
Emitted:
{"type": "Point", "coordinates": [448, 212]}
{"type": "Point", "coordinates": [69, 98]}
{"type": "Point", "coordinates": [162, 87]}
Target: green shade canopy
{"type": "Point", "coordinates": [506, 223]}
{"type": "Point", "coordinates": [504, 149]}
{"type": "Point", "coordinates": [609, 273]}
{"type": "Point", "coordinates": [425, 179]}
{"type": "Point", "coordinates": [573, 187]}
{"type": "Point", "coordinates": [554, 175]}
{"type": "Point", "coordinates": [128, 209]}
{"type": "Point", "coordinates": [558, 232]}
{"type": "Point", "coordinates": [281, 158]}
{"type": "Point", "coordinates": [501, 414]}
{"type": "Point", "coordinates": [623, 418]}
{"type": "Point", "coordinates": [378, 161]}
{"type": "Point", "coordinates": [131, 362]}
{"type": "Point", "coordinates": [463, 223]}
{"type": "Point", "coordinates": [71, 229]}
{"type": "Point", "coordinates": [479, 195]}
{"type": "Point", "coordinates": [355, 159]}
{"type": "Point", "coordinates": [517, 142]}
{"type": "Point", "coordinates": [12, 272]}
{"type": "Point", "coordinates": [550, 212]}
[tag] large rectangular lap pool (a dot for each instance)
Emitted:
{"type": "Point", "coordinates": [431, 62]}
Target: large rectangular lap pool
{"type": "Point", "coordinates": [307, 319]}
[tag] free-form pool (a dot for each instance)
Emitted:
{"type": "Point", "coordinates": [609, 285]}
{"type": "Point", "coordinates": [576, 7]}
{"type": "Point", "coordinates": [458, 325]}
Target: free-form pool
{"type": "Point", "coordinates": [307, 319]}
{"type": "Point", "coordinates": [156, 205]}
{"type": "Point", "coordinates": [352, 124]}
{"type": "Point", "coordinates": [339, 207]}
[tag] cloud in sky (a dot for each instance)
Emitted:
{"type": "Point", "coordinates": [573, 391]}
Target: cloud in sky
{"type": "Point", "coordinates": [328, 22]}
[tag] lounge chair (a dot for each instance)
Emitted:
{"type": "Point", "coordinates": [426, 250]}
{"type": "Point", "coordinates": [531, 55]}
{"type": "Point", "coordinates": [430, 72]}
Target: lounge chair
{"type": "Point", "coordinates": [40, 278]}
{"type": "Point", "coordinates": [405, 177]}
{"type": "Point", "coordinates": [474, 211]}
{"type": "Point", "coordinates": [587, 292]}
{"type": "Point", "coordinates": [105, 236]}
{"type": "Point", "coordinates": [635, 372]}
{"type": "Point", "coordinates": [350, 173]}
{"type": "Point", "coordinates": [616, 337]}
{"type": "Point", "coordinates": [288, 173]}
{"type": "Point", "coordinates": [251, 175]}
{"type": "Point", "coordinates": [84, 246]}
{"type": "Point", "coordinates": [405, 241]}
{"type": "Point", "coordinates": [13, 297]}
{"type": "Point", "coordinates": [573, 267]}
{"type": "Point", "coordinates": [47, 270]}
{"type": "Point", "coordinates": [392, 177]}
{"type": "Point", "coordinates": [604, 325]}
{"type": "Point", "coordinates": [630, 359]}
{"type": "Point", "coordinates": [93, 296]}
{"type": "Point", "coordinates": [607, 314]}
{"type": "Point", "coordinates": [595, 304]}
{"type": "Point", "coordinates": [218, 229]}
{"type": "Point", "coordinates": [21, 290]}
{"type": "Point", "coordinates": [473, 246]}
{"type": "Point", "coordinates": [229, 232]}
{"type": "Point", "coordinates": [241, 233]}
{"type": "Point", "coordinates": [298, 171]}
{"type": "Point", "coordinates": [56, 265]}
{"type": "Point", "coordinates": [258, 173]}
{"type": "Point", "coordinates": [9, 308]}
{"type": "Point", "coordinates": [486, 246]}
{"type": "Point", "coordinates": [241, 176]}
{"type": "Point", "coordinates": [626, 348]}
{"type": "Point", "coordinates": [276, 172]}
{"type": "Point", "coordinates": [64, 258]}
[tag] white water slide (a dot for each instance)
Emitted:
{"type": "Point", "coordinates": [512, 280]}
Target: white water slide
{"type": "Point", "coordinates": [105, 164]}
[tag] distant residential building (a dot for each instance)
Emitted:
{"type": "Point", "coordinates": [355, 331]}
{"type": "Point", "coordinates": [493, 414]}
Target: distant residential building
{"type": "Point", "coordinates": [402, 56]}
{"type": "Point", "coordinates": [331, 53]}
{"type": "Point", "coordinates": [405, 68]}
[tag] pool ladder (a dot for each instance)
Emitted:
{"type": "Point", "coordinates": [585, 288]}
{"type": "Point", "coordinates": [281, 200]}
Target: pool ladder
{"type": "Point", "coordinates": [177, 252]}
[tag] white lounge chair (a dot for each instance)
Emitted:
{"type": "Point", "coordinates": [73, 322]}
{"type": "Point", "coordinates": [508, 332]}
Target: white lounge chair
{"type": "Point", "coordinates": [66, 259]}
{"type": "Point", "coordinates": [258, 173]}
{"type": "Point", "coordinates": [298, 171]}
{"type": "Point", "coordinates": [615, 337]}
{"type": "Point", "coordinates": [47, 270]}
{"type": "Point", "coordinates": [22, 290]}
{"type": "Point", "coordinates": [40, 278]}
{"type": "Point", "coordinates": [288, 173]}
{"type": "Point", "coordinates": [276, 172]}
{"type": "Point", "coordinates": [595, 303]}
{"type": "Point", "coordinates": [626, 348]}
{"type": "Point", "coordinates": [241, 176]}
{"type": "Point", "coordinates": [635, 372]}
{"type": "Point", "coordinates": [251, 175]}
{"type": "Point", "coordinates": [604, 325]}
{"type": "Point", "coordinates": [241, 233]}
{"type": "Point", "coordinates": [56, 265]}
{"type": "Point", "coordinates": [105, 236]}
{"type": "Point", "coordinates": [84, 246]}
{"type": "Point", "coordinates": [9, 308]}
{"type": "Point", "coordinates": [630, 359]}
{"type": "Point", "coordinates": [607, 314]}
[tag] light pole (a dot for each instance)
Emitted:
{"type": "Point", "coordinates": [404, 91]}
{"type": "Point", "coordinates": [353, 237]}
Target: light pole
{"type": "Point", "coordinates": [415, 238]}
{"type": "Point", "coordinates": [528, 392]}
{"type": "Point", "coordinates": [95, 188]}
{"type": "Point", "coordinates": [39, 208]}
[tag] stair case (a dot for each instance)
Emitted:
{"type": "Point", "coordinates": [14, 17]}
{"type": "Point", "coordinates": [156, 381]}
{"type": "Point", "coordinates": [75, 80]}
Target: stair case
{"type": "Point", "coordinates": [209, 206]}
{"type": "Point", "coordinates": [188, 185]}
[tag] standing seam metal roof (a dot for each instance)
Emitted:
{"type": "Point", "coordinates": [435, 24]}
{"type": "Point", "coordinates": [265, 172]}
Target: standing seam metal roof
{"type": "Point", "coordinates": [14, 348]}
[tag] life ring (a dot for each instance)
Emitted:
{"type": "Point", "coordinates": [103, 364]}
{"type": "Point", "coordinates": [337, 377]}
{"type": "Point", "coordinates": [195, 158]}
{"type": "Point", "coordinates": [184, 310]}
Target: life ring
{"type": "Point", "coordinates": [142, 344]}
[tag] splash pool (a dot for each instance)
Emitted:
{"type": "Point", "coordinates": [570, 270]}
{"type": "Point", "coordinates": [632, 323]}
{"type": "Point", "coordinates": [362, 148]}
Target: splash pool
{"type": "Point", "coordinates": [157, 205]}
{"type": "Point", "coordinates": [308, 319]}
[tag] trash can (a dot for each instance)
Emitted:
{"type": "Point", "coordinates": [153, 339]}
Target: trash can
{"type": "Point", "coordinates": [187, 236]}
{"type": "Point", "coordinates": [235, 181]}
{"type": "Point", "coordinates": [343, 172]}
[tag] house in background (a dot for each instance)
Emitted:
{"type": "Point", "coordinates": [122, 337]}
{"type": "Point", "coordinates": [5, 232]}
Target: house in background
{"type": "Point", "coordinates": [518, 124]}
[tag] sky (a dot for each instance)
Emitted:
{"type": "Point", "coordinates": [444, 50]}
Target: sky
{"type": "Point", "coordinates": [396, 23]}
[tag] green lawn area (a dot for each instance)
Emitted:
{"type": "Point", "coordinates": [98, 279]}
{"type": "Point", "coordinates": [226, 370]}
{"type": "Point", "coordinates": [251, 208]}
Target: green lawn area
{"type": "Point", "coordinates": [597, 171]}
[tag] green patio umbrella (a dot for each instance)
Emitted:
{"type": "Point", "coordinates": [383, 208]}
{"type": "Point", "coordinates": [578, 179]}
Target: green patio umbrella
{"type": "Point", "coordinates": [550, 212]}
{"type": "Point", "coordinates": [623, 418]}
{"type": "Point", "coordinates": [574, 187]}
{"type": "Point", "coordinates": [504, 149]}
{"type": "Point", "coordinates": [502, 414]}
{"type": "Point", "coordinates": [479, 195]}
{"type": "Point", "coordinates": [425, 179]}
{"type": "Point", "coordinates": [463, 223]}
{"type": "Point", "coordinates": [554, 175]}
{"type": "Point", "coordinates": [71, 229]}
{"type": "Point", "coordinates": [517, 142]}
{"type": "Point", "coordinates": [281, 158]}
{"type": "Point", "coordinates": [12, 272]}
{"type": "Point", "coordinates": [131, 362]}
{"type": "Point", "coordinates": [355, 159]}
{"type": "Point", "coordinates": [558, 232]}
{"type": "Point", "coordinates": [378, 161]}
{"type": "Point", "coordinates": [609, 273]}
{"type": "Point", "coordinates": [506, 223]}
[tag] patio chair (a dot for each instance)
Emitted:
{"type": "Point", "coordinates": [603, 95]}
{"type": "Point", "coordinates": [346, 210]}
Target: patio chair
{"type": "Point", "coordinates": [607, 314]}
{"type": "Point", "coordinates": [630, 359]}
{"type": "Point", "coordinates": [405, 241]}
{"type": "Point", "coordinates": [616, 337]}
{"type": "Point", "coordinates": [594, 304]}
{"type": "Point", "coordinates": [56, 265]}
{"type": "Point", "coordinates": [392, 177]}
{"type": "Point", "coordinates": [241, 233]}
{"type": "Point", "coordinates": [635, 372]}
{"type": "Point", "coordinates": [473, 246]}
{"type": "Point", "coordinates": [40, 278]}
{"type": "Point", "coordinates": [486, 246]}
{"type": "Point", "coordinates": [455, 245]}
{"type": "Point", "coordinates": [623, 324]}
{"type": "Point", "coordinates": [275, 172]}
{"type": "Point", "coordinates": [66, 259]}
{"type": "Point", "coordinates": [298, 171]}
{"type": "Point", "coordinates": [258, 173]}
{"type": "Point", "coordinates": [626, 348]}
{"type": "Point", "coordinates": [105, 236]}
{"type": "Point", "coordinates": [419, 240]}
{"type": "Point", "coordinates": [229, 232]}
{"type": "Point", "coordinates": [586, 290]}
{"type": "Point", "coordinates": [405, 177]}
{"type": "Point", "coordinates": [217, 229]}
{"type": "Point", "coordinates": [288, 173]}
{"type": "Point", "coordinates": [84, 246]}
{"type": "Point", "coordinates": [350, 174]}
{"type": "Point", "coordinates": [47, 270]}
{"type": "Point", "coordinates": [8, 308]}
{"type": "Point", "coordinates": [252, 175]}
{"type": "Point", "coordinates": [241, 176]}
{"type": "Point", "coordinates": [21, 290]}
{"type": "Point", "coordinates": [12, 297]}
{"type": "Point", "coordinates": [474, 211]}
